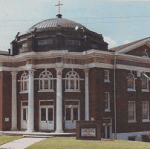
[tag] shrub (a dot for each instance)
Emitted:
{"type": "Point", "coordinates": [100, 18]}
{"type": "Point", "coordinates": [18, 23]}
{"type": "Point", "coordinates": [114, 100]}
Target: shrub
{"type": "Point", "coordinates": [145, 138]}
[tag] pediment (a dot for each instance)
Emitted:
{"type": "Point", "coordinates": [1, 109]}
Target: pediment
{"type": "Point", "coordinates": [133, 48]}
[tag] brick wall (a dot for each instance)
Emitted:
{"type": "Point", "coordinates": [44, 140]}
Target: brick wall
{"type": "Point", "coordinates": [123, 96]}
{"type": "Point", "coordinates": [6, 100]}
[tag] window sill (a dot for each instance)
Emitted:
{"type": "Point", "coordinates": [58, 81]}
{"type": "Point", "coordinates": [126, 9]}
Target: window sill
{"type": "Point", "coordinates": [23, 92]}
{"type": "Point", "coordinates": [107, 110]}
{"type": "Point", "coordinates": [145, 90]}
{"type": "Point", "coordinates": [132, 121]}
{"type": "Point", "coordinates": [72, 90]}
{"type": "Point", "coordinates": [131, 90]}
{"type": "Point", "coordinates": [145, 120]}
{"type": "Point", "coordinates": [106, 81]}
{"type": "Point", "coordinates": [46, 91]}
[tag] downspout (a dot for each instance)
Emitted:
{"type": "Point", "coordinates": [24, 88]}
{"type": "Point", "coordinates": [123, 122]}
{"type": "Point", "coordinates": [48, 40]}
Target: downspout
{"type": "Point", "coordinates": [115, 136]}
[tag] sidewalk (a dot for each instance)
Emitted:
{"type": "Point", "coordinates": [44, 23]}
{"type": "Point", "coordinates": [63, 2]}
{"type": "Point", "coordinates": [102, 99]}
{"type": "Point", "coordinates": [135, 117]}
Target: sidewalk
{"type": "Point", "coordinates": [20, 143]}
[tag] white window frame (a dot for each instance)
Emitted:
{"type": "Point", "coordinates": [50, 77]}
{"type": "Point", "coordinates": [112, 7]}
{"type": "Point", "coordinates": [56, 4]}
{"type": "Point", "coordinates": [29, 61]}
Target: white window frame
{"type": "Point", "coordinates": [132, 120]}
{"type": "Point", "coordinates": [107, 76]}
{"type": "Point", "coordinates": [108, 101]}
{"type": "Point", "coordinates": [145, 120]}
{"type": "Point", "coordinates": [50, 81]}
{"type": "Point", "coordinates": [24, 78]}
{"type": "Point", "coordinates": [128, 88]}
{"type": "Point", "coordinates": [145, 90]}
{"type": "Point", "coordinates": [68, 80]}
{"type": "Point", "coordinates": [72, 106]}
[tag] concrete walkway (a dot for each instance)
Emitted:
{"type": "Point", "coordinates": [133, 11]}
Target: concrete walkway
{"type": "Point", "coordinates": [20, 143]}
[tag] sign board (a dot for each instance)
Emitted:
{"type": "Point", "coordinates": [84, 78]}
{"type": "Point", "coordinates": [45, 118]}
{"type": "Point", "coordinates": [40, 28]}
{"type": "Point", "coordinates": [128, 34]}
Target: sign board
{"type": "Point", "coordinates": [6, 119]}
{"type": "Point", "coordinates": [90, 132]}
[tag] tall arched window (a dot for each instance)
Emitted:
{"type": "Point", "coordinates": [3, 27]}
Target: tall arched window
{"type": "Point", "coordinates": [72, 81]}
{"type": "Point", "coordinates": [24, 82]}
{"type": "Point", "coordinates": [130, 82]}
{"type": "Point", "coordinates": [46, 81]}
{"type": "Point", "coordinates": [144, 82]}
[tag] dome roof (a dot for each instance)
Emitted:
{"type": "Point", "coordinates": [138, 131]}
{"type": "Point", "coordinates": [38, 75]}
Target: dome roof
{"type": "Point", "coordinates": [55, 22]}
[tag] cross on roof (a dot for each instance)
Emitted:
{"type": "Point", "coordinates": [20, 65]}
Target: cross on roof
{"type": "Point", "coordinates": [59, 6]}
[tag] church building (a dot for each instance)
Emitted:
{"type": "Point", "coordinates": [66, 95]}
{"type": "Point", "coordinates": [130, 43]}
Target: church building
{"type": "Point", "coordinates": [58, 72]}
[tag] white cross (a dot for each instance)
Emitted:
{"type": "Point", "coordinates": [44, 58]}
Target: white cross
{"type": "Point", "coordinates": [59, 6]}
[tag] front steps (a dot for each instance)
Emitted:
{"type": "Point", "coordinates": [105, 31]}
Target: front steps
{"type": "Point", "coordinates": [38, 134]}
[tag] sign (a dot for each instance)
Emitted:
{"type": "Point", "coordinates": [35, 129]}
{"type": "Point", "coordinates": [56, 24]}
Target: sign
{"type": "Point", "coordinates": [90, 132]}
{"type": "Point", "coordinates": [6, 119]}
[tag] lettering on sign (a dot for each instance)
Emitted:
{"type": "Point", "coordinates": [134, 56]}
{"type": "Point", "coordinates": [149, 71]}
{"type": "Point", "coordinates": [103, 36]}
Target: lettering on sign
{"type": "Point", "coordinates": [6, 119]}
{"type": "Point", "coordinates": [90, 132]}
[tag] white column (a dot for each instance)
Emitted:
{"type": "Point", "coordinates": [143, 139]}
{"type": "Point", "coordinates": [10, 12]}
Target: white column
{"type": "Point", "coordinates": [86, 94]}
{"type": "Point", "coordinates": [59, 123]}
{"type": "Point", "coordinates": [30, 127]}
{"type": "Point", "coordinates": [14, 102]}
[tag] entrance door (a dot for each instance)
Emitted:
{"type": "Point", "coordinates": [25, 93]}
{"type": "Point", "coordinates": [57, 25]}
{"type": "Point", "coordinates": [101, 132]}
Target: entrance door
{"type": "Point", "coordinates": [24, 115]}
{"type": "Point", "coordinates": [46, 117]}
{"type": "Point", "coordinates": [72, 114]}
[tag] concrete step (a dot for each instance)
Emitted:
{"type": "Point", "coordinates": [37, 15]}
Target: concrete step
{"type": "Point", "coordinates": [37, 136]}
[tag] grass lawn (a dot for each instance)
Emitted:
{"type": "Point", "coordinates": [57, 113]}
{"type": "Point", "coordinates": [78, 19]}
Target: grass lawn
{"type": "Point", "coordinates": [6, 139]}
{"type": "Point", "coordinates": [72, 143]}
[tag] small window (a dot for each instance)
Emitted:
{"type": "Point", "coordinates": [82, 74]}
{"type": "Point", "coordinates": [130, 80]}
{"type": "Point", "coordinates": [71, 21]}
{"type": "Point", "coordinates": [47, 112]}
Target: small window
{"type": "Point", "coordinates": [144, 80]}
{"type": "Point", "coordinates": [130, 82]}
{"type": "Point", "coordinates": [144, 54]}
{"type": "Point", "coordinates": [106, 76]}
{"type": "Point", "coordinates": [107, 101]}
{"type": "Point", "coordinates": [145, 110]}
{"type": "Point", "coordinates": [24, 45]}
{"type": "Point", "coordinates": [24, 82]}
{"type": "Point", "coordinates": [131, 112]}
{"type": "Point", "coordinates": [72, 42]}
{"type": "Point", "coordinates": [45, 42]}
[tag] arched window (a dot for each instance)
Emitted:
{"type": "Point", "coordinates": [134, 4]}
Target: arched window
{"type": "Point", "coordinates": [46, 81]}
{"type": "Point", "coordinates": [144, 82]}
{"type": "Point", "coordinates": [72, 81]}
{"type": "Point", "coordinates": [144, 54]}
{"type": "Point", "coordinates": [24, 82]}
{"type": "Point", "coordinates": [130, 82]}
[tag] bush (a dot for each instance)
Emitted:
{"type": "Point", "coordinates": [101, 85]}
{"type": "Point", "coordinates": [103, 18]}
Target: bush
{"type": "Point", "coordinates": [145, 138]}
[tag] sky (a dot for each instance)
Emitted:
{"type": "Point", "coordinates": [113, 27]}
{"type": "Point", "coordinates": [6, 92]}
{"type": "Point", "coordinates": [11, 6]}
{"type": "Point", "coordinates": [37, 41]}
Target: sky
{"type": "Point", "coordinates": [119, 21]}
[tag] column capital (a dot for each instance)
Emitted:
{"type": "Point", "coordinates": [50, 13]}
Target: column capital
{"type": "Point", "coordinates": [14, 73]}
{"type": "Point", "coordinates": [86, 71]}
{"type": "Point", "coordinates": [59, 71]}
{"type": "Point", "coordinates": [31, 72]}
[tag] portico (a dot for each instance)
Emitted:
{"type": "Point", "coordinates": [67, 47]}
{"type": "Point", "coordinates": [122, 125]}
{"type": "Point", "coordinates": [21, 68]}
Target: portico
{"type": "Point", "coordinates": [59, 104]}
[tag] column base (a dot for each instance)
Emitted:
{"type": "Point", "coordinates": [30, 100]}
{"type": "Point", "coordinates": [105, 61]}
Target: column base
{"type": "Point", "coordinates": [15, 129]}
{"type": "Point", "coordinates": [59, 131]}
{"type": "Point", "coordinates": [30, 131]}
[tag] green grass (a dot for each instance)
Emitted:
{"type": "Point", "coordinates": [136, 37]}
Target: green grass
{"type": "Point", "coordinates": [72, 143]}
{"type": "Point", "coordinates": [6, 139]}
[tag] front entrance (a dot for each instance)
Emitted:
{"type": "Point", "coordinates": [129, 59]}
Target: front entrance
{"type": "Point", "coordinates": [107, 129]}
{"type": "Point", "coordinates": [72, 113]}
{"type": "Point", "coordinates": [46, 115]}
{"type": "Point", "coordinates": [24, 115]}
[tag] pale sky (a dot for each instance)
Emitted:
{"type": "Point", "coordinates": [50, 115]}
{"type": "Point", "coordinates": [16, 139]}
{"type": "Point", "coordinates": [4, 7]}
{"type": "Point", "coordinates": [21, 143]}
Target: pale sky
{"type": "Point", "coordinates": [119, 22]}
